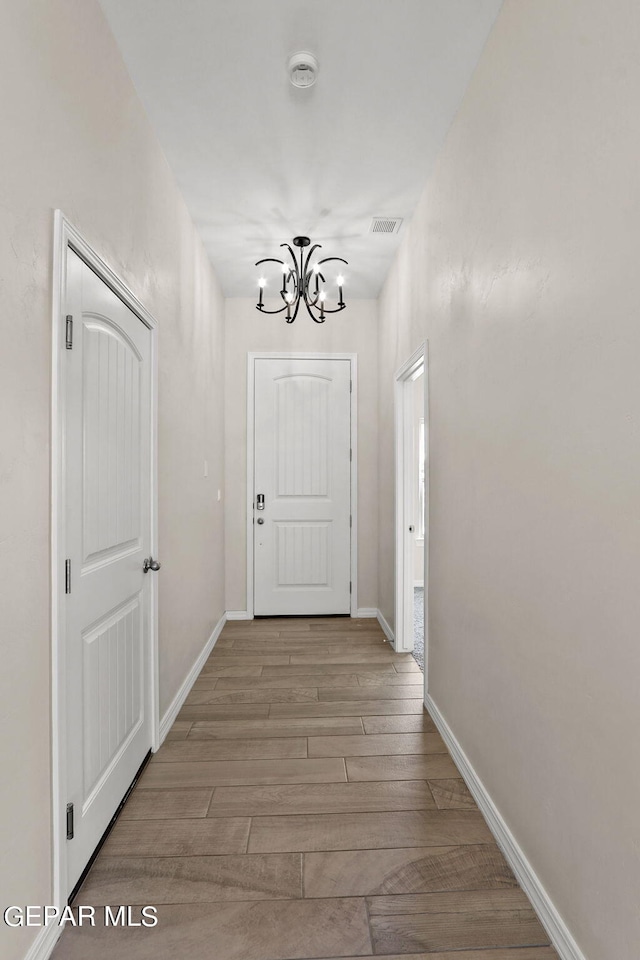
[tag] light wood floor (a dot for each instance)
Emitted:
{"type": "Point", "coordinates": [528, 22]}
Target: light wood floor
{"type": "Point", "coordinates": [304, 806]}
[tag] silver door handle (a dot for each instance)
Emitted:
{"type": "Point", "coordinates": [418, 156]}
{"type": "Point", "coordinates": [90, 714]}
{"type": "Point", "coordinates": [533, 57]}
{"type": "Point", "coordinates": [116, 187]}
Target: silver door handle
{"type": "Point", "coordinates": [150, 564]}
{"type": "Point", "coordinates": [260, 520]}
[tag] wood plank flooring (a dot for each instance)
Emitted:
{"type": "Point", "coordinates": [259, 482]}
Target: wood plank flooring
{"type": "Point", "coordinates": [304, 807]}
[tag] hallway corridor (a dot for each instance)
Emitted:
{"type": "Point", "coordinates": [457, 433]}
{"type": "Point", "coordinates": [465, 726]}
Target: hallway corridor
{"type": "Point", "coordinates": [304, 806]}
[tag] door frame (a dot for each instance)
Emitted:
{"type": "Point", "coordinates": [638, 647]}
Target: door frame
{"type": "Point", "coordinates": [405, 497]}
{"type": "Point", "coordinates": [68, 237]}
{"type": "Point", "coordinates": [251, 368]}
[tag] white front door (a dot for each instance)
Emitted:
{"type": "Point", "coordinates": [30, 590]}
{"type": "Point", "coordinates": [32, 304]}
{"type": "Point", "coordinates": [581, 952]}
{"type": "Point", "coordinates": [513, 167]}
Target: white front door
{"type": "Point", "coordinates": [302, 487]}
{"type": "Point", "coordinates": [107, 537]}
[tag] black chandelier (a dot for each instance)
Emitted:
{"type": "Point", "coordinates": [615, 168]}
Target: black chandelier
{"type": "Point", "coordinates": [303, 282]}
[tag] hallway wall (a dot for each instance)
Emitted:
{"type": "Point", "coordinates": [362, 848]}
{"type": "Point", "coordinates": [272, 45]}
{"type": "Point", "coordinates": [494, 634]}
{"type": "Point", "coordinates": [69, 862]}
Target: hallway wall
{"type": "Point", "coordinates": [76, 137]}
{"type": "Point", "coordinates": [520, 268]}
{"type": "Point", "coordinates": [354, 331]}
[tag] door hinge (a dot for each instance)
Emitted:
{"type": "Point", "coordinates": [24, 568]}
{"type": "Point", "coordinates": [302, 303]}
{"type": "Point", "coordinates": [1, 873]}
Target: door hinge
{"type": "Point", "coordinates": [69, 332]}
{"type": "Point", "coordinates": [350, 587]}
{"type": "Point", "coordinates": [350, 386]}
{"type": "Point", "coordinates": [350, 456]}
{"type": "Point", "coordinates": [67, 576]}
{"type": "Point", "coordinates": [350, 520]}
{"type": "Point", "coordinates": [69, 821]}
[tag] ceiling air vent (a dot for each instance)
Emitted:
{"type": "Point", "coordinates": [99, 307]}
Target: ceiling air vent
{"type": "Point", "coordinates": [385, 224]}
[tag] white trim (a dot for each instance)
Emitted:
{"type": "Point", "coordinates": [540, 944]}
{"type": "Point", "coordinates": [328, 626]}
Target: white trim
{"type": "Point", "coordinates": [541, 902]}
{"type": "Point", "coordinates": [67, 236]}
{"type": "Point", "coordinates": [42, 946]}
{"type": "Point", "coordinates": [176, 704]}
{"type": "Point", "coordinates": [252, 356]}
{"type": "Point", "coordinates": [367, 612]}
{"type": "Point", "coordinates": [353, 359]}
{"type": "Point", "coordinates": [238, 615]}
{"type": "Point", "coordinates": [405, 495]}
{"type": "Point", "coordinates": [251, 387]}
{"type": "Point", "coordinates": [386, 629]}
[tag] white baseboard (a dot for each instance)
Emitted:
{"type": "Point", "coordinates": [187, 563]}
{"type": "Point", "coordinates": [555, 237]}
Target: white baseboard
{"type": "Point", "coordinates": [174, 709]}
{"type": "Point", "coordinates": [388, 632]}
{"type": "Point", "coordinates": [367, 612]}
{"type": "Point", "coordinates": [238, 615]}
{"type": "Point", "coordinates": [42, 946]}
{"type": "Point", "coordinates": [541, 902]}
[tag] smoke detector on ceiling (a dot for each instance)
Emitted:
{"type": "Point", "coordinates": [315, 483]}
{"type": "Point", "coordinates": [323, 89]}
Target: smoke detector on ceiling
{"type": "Point", "coordinates": [303, 69]}
{"type": "Point", "coordinates": [385, 224]}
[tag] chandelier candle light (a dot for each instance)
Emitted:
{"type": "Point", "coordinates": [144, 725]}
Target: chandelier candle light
{"type": "Point", "coordinates": [303, 281]}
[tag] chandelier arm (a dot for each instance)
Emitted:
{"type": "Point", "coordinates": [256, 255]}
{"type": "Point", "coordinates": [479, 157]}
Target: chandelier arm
{"type": "Point", "coordinates": [292, 273]}
{"type": "Point", "coordinates": [290, 249]}
{"type": "Point", "coordinates": [311, 314]}
{"type": "Point", "coordinates": [263, 310]}
{"type": "Point", "coordinates": [313, 300]}
{"type": "Point", "coordinates": [306, 270]}
{"type": "Point", "coordinates": [313, 304]}
{"type": "Point", "coordinates": [335, 309]}
{"type": "Point", "coordinates": [294, 277]}
{"type": "Point", "coordinates": [329, 259]}
{"type": "Point", "coordinates": [304, 263]}
{"type": "Point", "coordinates": [295, 312]}
{"type": "Point", "coordinates": [270, 260]}
{"type": "Point", "coordinates": [310, 296]}
{"type": "Point", "coordinates": [341, 303]}
{"type": "Point", "coordinates": [312, 250]}
{"type": "Point", "coordinates": [310, 302]}
{"type": "Point", "coordinates": [310, 253]}
{"type": "Point", "coordinates": [260, 307]}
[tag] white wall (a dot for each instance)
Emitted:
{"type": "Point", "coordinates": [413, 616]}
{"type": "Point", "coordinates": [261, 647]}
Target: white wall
{"type": "Point", "coordinates": [520, 267]}
{"type": "Point", "coordinates": [354, 331]}
{"type": "Point", "coordinates": [75, 136]}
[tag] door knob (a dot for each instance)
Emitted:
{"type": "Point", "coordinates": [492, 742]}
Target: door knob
{"type": "Point", "coordinates": [150, 564]}
{"type": "Point", "coordinates": [260, 520]}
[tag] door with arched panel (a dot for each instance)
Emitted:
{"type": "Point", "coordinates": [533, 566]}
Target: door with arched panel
{"type": "Point", "coordinates": [302, 486]}
{"type": "Point", "coordinates": [107, 480]}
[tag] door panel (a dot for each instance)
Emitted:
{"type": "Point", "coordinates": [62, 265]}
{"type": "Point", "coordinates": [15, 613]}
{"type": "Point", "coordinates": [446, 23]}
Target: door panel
{"type": "Point", "coordinates": [303, 553]}
{"type": "Point", "coordinates": [113, 695]}
{"type": "Point", "coordinates": [112, 451]}
{"type": "Point", "coordinates": [302, 467]}
{"type": "Point", "coordinates": [302, 426]}
{"type": "Point", "coordinates": [108, 509]}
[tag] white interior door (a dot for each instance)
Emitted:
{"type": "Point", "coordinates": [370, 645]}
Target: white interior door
{"type": "Point", "coordinates": [302, 540]}
{"type": "Point", "coordinates": [107, 536]}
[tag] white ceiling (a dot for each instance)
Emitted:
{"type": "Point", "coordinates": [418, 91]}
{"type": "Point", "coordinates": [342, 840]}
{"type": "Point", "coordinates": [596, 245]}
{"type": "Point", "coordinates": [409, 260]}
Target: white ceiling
{"type": "Point", "coordinates": [259, 161]}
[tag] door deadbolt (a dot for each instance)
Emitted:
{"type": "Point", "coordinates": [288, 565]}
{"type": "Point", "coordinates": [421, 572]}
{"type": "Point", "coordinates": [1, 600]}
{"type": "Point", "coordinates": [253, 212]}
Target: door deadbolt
{"type": "Point", "coordinates": [260, 501]}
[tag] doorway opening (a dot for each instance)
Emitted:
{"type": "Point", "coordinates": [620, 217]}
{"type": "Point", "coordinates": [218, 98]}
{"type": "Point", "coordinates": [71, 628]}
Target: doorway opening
{"type": "Point", "coordinates": [412, 514]}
